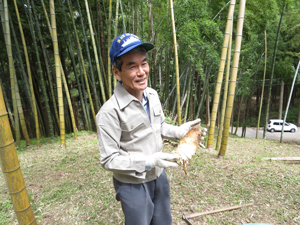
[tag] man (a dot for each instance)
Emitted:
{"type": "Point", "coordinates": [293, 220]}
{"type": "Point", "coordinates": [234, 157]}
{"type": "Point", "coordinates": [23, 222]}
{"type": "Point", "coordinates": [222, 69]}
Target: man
{"type": "Point", "coordinates": [130, 128]}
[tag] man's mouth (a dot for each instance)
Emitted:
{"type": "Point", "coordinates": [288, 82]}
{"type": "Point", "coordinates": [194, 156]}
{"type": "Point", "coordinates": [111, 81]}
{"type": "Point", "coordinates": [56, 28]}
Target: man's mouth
{"type": "Point", "coordinates": [141, 81]}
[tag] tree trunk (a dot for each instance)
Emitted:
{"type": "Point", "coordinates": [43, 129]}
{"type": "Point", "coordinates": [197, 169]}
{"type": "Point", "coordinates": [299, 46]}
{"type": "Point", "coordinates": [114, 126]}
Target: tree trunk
{"type": "Point", "coordinates": [272, 70]}
{"type": "Point", "coordinates": [263, 88]}
{"type": "Point", "coordinates": [207, 108]}
{"type": "Point", "coordinates": [298, 120]}
{"type": "Point", "coordinates": [281, 100]}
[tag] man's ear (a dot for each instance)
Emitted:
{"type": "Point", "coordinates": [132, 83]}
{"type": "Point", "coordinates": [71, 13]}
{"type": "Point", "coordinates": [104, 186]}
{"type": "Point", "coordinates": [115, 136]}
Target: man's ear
{"type": "Point", "coordinates": [116, 73]}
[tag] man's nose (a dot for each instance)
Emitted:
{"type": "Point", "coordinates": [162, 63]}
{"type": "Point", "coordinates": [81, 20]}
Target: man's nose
{"type": "Point", "coordinates": [140, 71]}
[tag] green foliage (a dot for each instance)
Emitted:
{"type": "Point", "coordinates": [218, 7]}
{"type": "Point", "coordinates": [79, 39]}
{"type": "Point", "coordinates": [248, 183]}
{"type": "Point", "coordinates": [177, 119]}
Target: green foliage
{"type": "Point", "coordinates": [200, 27]}
{"type": "Point", "coordinates": [5, 207]}
{"type": "Point", "coordinates": [170, 121]}
{"type": "Point", "coordinates": [74, 92]}
{"type": "Point", "coordinates": [292, 115]}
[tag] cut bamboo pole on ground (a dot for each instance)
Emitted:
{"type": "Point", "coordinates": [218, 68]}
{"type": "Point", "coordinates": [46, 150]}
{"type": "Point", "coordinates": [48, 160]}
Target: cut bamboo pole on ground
{"type": "Point", "coordinates": [193, 215]}
{"type": "Point", "coordinates": [283, 159]}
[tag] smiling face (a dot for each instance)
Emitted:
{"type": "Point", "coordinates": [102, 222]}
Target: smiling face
{"type": "Point", "coordinates": [134, 73]}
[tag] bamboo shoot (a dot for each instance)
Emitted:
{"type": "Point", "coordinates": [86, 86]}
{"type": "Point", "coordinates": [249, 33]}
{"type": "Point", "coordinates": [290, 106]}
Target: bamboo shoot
{"type": "Point", "coordinates": [188, 145]}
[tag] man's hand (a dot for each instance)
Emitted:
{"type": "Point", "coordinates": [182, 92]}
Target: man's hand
{"type": "Point", "coordinates": [162, 160]}
{"type": "Point", "coordinates": [184, 128]}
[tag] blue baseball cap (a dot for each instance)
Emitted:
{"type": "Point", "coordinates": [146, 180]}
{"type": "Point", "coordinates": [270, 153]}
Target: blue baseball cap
{"type": "Point", "coordinates": [124, 43]}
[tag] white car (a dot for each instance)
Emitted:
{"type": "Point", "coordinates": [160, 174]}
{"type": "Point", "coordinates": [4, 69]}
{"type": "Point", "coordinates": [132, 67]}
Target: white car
{"type": "Point", "coordinates": [276, 125]}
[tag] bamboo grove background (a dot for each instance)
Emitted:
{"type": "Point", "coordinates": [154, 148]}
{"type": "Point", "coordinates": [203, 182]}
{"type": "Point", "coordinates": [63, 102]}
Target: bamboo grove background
{"type": "Point", "coordinates": [57, 75]}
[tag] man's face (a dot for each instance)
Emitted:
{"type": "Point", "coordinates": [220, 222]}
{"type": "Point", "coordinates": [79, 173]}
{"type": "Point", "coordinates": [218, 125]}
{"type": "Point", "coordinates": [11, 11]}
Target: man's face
{"type": "Point", "coordinates": [134, 74]}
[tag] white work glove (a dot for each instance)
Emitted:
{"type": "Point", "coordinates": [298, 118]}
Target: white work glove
{"type": "Point", "coordinates": [203, 134]}
{"type": "Point", "coordinates": [161, 159]}
{"type": "Point", "coordinates": [184, 128]}
{"type": "Point", "coordinates": [185, 154]}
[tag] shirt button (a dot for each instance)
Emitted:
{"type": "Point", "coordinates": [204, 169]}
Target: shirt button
{"type": "Point", "coordinates": [131, 127]}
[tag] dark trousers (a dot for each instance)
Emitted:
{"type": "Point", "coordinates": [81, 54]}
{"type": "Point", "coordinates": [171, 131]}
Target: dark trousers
{"type": "Point", "coordinates": [147, 203]}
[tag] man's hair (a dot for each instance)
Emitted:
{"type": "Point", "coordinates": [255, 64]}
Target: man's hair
{"type": "Point", "coordinates": [118, 62]}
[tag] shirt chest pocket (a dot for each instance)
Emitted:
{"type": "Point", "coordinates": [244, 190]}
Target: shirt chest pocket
{"type": "Point", "coordinates": [131, 129]}
{"type": "Point", "coordinates": [157, 111]}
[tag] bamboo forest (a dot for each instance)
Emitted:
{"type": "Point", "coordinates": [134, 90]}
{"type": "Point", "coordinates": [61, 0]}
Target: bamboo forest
{"type": "Point", "coordinates": [230, 63]}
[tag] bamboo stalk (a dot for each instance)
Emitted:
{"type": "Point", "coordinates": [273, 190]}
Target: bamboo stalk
{"type": "Point", "coordinates": [91, 75]}
{"type": "Point", "coordinates": [108, 48]}
{"type": "Point", "coordinates": [124, 26]}
{"type": "Point", "coordinates": [82, 63]}
{"type": "Point", "coordinates": [233, 76]}
{"type": "Point", "coordinates": [117, 18]}
{"type": "Point", "coordinates": [289, 101]}
{"type": "Point", "coordinates": [63, 80]}
{"type": "Point", "coordinates": [176, 63]}
{"type": "Point", "coordinates": [74, 66]}
{"type": "Point", "coordinates": [20, 63]}
{"type": "Point", "coordinates": [189, 94]}
{"type": "Point", "coordinates": [29, 77]}
{"type": "Point", "coordinates": [40, 71]}
{"type": "Point", "coordinates": [273, 68]}
{"type": "Point", "coordinates": [16, 86]}
{"type": "Point", "coordinates": [225, 92]}
{"type": "Point", "coordinates": [4, 17]}
{"type": "Point", "coordinates": [220, 75]}
{"type": "Point", "coordinates": [21, 113]}
{"type": "Point", "coordinates": [7, 103]}
{"type": "Point", "coordinates": [8, 155]}
{"type": "Point", "coordinates": [95, 52]}
{"type": "Point", "coordinates": [46, 60]}
{"type": "Point", "coordinates": [58, 76]}
{"type": "Point", "coordinates": [101, 36]}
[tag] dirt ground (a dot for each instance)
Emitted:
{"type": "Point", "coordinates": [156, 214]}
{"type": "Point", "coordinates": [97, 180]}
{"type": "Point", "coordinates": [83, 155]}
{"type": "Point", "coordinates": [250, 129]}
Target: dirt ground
{"type": "Point", "coordinates": [69, 186]}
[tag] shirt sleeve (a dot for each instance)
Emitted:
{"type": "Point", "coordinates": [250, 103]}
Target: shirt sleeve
{"type": "Point", "coordinates": [112, 157]}
{"type": "Point", "coordinates": [168, 131]}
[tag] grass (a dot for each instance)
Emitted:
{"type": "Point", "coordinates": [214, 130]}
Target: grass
{"type": "Point", "coordinates": [69, 186]}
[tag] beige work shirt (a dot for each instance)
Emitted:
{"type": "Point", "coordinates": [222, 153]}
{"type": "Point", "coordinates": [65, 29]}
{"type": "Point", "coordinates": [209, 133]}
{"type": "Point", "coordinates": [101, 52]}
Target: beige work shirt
{"type": "Point", "coordinates": [126, 136]}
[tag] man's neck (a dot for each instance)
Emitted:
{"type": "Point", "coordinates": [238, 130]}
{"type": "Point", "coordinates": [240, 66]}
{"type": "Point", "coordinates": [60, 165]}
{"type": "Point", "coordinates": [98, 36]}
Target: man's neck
{"type": "Point", "coordinates": [138, 95]}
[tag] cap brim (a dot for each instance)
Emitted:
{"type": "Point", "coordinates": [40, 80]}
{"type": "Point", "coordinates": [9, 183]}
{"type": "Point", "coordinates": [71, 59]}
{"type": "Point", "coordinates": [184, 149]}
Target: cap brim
{"type": "Point", "coordinates": [148, 46]}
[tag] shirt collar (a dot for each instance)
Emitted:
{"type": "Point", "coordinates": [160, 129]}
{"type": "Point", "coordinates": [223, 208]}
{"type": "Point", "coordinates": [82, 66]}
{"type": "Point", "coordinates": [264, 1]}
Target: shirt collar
{"type": "Point", "coordinates": [145, 98]}
{"type": "Point", "coordinates": [124, 98]}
